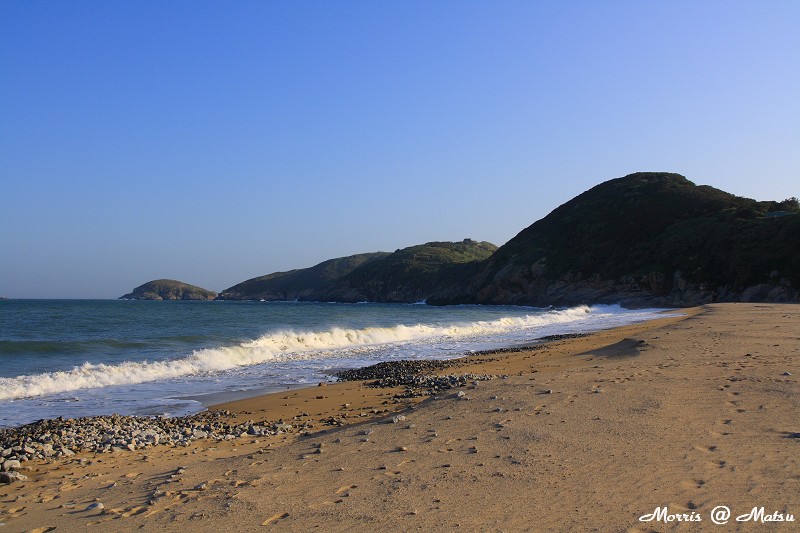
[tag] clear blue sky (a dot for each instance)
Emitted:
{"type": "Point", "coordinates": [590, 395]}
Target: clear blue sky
{"type": "Point", "coordinates": [212, 142]}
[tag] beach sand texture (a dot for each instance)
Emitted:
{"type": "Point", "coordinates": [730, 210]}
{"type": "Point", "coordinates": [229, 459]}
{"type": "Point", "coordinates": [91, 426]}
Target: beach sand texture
{"type": "Point", "coordinates": [585, 434]}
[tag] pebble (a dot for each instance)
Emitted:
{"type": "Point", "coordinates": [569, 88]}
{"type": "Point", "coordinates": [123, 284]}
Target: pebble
{"type": "Point", "coordinates": [11, 477]}
{"type": "Point", "coordinates": [95, 506]}
{"type": "Point", "coordinates": [11, 464]}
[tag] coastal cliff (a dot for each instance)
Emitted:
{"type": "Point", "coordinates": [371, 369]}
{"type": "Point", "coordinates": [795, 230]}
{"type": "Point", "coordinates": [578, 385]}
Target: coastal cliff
{"type": "Point", "coordinates": [168, 289]}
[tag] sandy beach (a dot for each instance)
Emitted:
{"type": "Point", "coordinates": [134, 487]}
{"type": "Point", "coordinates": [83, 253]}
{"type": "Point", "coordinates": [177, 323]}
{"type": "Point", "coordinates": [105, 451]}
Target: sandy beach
{"type": "Point", "coordinates": [679, 418]}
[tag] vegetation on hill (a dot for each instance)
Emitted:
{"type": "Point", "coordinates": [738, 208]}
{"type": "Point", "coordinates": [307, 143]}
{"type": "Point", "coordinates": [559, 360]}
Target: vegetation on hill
{"type": "Point", "coordinates": [168, 289]}
{"type": "Point", "coordinates": [412, 274]}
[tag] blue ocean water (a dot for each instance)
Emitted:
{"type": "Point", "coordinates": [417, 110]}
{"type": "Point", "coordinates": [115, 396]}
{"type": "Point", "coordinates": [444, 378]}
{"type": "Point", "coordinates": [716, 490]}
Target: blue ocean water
{"type": "Point", "coordinates": [86, 357]}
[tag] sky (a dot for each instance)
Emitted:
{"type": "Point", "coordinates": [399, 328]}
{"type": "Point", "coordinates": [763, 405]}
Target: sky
{"type": "Point", "coordinates": [212, 142]}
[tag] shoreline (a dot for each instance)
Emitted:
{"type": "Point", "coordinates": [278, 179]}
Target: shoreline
{"type": "Point", "coordinates": [685, 412]}
{"type": "Point", "coordinates": [281, 402]}
{"type": "Point", "coordinates": [123, 383]}
{"type": "Point", "coordinates": [271, 401]}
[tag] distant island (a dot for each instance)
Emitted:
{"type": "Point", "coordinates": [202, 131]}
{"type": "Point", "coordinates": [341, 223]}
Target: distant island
{"type": "Point", "coordinates": [168, 289]}
{"type": "Point", "coordinates": [646, 239]}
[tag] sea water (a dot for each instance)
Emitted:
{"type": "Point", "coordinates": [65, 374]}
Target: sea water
{"type": "Point", "coordinates": [76, 358]}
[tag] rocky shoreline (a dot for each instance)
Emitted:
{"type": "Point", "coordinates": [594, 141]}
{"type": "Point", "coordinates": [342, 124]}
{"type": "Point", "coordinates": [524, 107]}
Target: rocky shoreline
{"type": "Point", "coordinates": [63, 438]}
{"type": "Point", "coordinates": [414, 375]}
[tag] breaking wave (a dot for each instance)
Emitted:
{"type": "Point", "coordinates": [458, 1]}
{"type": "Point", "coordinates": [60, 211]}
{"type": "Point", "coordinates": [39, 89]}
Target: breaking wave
{"type": "Point", "coordinates": [278, 346]}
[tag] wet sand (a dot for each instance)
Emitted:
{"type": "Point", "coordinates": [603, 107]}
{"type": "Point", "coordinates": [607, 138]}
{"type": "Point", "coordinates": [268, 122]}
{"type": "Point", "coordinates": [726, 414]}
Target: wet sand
{"type": "Point", "coordinates": [687, 414]}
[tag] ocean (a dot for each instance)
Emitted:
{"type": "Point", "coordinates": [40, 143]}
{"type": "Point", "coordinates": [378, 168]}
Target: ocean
{"type": "Point", "coordinates": [75, 358]}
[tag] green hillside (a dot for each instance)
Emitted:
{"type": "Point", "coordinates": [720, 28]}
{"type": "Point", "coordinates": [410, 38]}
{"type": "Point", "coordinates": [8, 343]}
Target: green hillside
{"type": "Point", "coordinates": [412, 274]}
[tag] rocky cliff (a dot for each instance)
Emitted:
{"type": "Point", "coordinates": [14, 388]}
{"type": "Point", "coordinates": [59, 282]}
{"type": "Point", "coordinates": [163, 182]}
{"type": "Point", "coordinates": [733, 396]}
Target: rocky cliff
{"type": "Point", "coordinates": [168, 289]}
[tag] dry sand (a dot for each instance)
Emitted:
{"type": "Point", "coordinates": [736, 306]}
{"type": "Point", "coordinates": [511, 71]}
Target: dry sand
{"type": "Point", "coordinates": [586, 434]}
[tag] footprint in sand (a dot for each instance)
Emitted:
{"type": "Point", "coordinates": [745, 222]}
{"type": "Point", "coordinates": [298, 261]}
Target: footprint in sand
{"type": "Point", "coordinates": [693, 483]}
{"type": "Point", "coordinates": [133, 511]}
{"type": "Point", "coordinates": [274, 518]}
{"type": "Point", "coordinates": [346, 488]}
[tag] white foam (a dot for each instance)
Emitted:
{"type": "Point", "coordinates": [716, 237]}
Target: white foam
{"type": "Point", "coordinates": [281, 346]}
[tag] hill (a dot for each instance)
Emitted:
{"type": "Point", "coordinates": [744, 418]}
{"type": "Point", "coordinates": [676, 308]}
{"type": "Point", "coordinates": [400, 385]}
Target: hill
{"type": "Point", "coordinates": [646, 238]}
{"type": "Point", "coordinates": [412, 274]}
{"type": "Point", "coordinates": [300, 284]}
{"type": "Point", "coordinates": [168, 289]}
{"type": "Point", "coordinates": [407, 275]}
